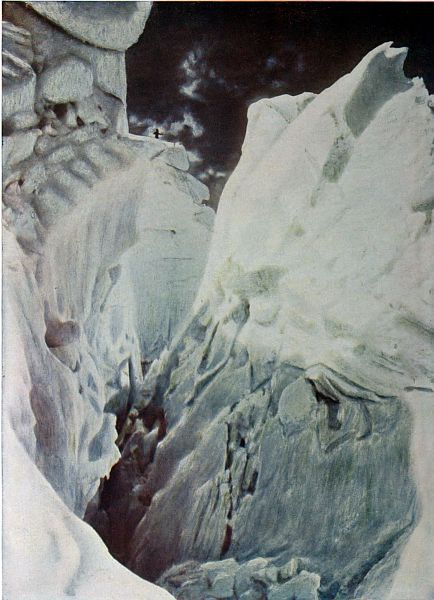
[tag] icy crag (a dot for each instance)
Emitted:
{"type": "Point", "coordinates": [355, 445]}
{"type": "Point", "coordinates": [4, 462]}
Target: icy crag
{"type": "Point", "coordinates": [285, 465]}
{"type": "Point", "coordinates": [281, 446]}
{"type": "Point", "coordinates": [105, 240]}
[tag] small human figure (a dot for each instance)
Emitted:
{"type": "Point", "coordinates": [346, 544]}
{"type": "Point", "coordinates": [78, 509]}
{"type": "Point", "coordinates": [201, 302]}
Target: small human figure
{"type": "Point", "coordinates": [157, 133]}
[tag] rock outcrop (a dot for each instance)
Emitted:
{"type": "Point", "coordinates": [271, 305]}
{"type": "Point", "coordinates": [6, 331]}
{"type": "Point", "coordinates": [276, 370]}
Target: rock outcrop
{"type": "Point", "coordinates": [287, 435]}
{"type": "Point", "coordinates": [105, 241]}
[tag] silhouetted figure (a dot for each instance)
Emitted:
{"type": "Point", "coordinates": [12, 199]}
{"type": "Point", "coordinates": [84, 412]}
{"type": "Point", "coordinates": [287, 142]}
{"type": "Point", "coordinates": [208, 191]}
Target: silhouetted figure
{"type": "Point", "coordinates": [157, 133]}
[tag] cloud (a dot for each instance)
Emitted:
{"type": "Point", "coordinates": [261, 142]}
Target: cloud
{"type": "Point", "coordinates": [210, 173]}
{"type": "Point", "coordinates": [194, 68]}
{"type": "Point", "coordinates": [215, 180]}
{"type": "Point", "coordinates": [190, 64]}
{"type": "Point", "coordinates": [199, 75]}
{"type": "Point", "coordinates": [189, 121]}
{"type": "Point", "coordinates": [167, 127]}
{"type": "Point", "coordinates": [189, 89]}
{"type": "Point", "coordinates": [135, 121]}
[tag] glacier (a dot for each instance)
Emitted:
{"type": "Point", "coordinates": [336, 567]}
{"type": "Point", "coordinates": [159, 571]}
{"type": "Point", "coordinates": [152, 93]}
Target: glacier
{"type": "Point", "coordinates": [252, 424]}
{"type": "Point", "coordinates": [291, 392]}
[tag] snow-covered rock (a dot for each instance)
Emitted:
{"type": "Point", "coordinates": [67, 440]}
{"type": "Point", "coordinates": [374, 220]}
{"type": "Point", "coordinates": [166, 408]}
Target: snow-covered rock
{"type": "Point", "coordinates": [18, 76]}
{"type": "Point", "coordinates": [303, 586]}
{"type": "Point", "coordinates": [336, 230]}
{"type": "Point", "coordinates": [286, 428]}
{"type": "Point", "coordinates": [97, 290]}
{"type": "Point", "coordinates": [18, 146]}
{"type": "Point", "coordinates": [257, 579]}
{"type": "Point", "coordinates": [51, 48]}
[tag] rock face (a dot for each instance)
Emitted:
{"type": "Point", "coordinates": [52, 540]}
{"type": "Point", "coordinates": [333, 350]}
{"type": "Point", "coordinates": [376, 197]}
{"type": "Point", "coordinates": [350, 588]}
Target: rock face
{"type": "Point", "coordinates": [284, 435]}
{"type": "Point", "coordinates": [105, 241]}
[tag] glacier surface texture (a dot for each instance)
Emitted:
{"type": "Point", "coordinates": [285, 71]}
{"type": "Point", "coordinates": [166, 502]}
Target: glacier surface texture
{"type": "Point", "coordinates": [239, 409]}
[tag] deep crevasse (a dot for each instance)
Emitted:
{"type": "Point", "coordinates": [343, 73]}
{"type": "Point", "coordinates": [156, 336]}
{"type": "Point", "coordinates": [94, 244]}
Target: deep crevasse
{"type": "Point", "coordinates": [285, 391]}
{"type": "Point", "coordinates": [95, 222]}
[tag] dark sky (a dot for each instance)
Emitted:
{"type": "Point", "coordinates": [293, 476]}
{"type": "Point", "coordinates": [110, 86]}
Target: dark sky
{"type": "Point", "coordinates": [198, 65]}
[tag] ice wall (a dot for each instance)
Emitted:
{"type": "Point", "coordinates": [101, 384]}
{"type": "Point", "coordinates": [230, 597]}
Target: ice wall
{"type": "Point", "coordinates": [341, 225]}
{"type": "Point", "coordinates": [280, 447]}
{"type": "Point", "coordinates": [287, 466]}
{"type": "Point", "coordinates": [105, 240]}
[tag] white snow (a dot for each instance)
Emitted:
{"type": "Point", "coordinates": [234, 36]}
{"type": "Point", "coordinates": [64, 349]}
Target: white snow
{"type": "Point", "coordinates": [415, 577]}
{"type": "Point", "coordinates": [49, 553]}
{"type": "Point", "coordinates": [118, 268]}
{"type": "Point", "coordinates": [323, 206]}
{"type": "Point", "coordinates": [325, 229]}
{"type": "Point", "coordinates": [93, 224]}
{"type": "Point", "coordinates": [114, 26]}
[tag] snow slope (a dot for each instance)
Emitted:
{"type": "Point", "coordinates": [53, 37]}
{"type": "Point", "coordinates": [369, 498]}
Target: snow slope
{"type": "Point", "coordinates": [49, 553]}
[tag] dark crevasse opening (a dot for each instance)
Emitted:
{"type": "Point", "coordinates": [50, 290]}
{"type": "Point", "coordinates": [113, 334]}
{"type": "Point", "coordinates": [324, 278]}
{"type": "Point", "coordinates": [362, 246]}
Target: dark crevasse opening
{"type": "Point", "coordinates": [122, 498]}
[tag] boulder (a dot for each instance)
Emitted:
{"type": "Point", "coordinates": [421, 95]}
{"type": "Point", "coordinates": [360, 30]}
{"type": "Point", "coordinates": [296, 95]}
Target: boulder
{"type": "Point", "coordinates": [18, 146]}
